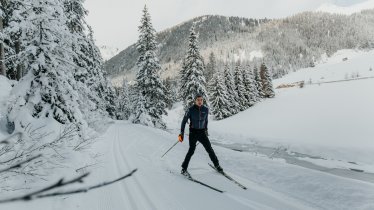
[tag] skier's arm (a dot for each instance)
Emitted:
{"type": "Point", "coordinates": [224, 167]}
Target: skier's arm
{"type": "Point", "coordinates": [184, 121]}
{"type": "Point", "coordinates": [206, 122]}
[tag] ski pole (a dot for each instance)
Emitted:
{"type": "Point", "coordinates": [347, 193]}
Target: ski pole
{"type": "Point", "coordinates": [170, 149]}
{"type": "Point", "coordinates": [172, 146]}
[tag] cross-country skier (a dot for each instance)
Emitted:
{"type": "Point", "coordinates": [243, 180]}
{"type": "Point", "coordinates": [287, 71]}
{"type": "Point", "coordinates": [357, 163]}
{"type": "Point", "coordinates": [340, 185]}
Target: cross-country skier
{"type": "Point", "coordinates": [198, 116]}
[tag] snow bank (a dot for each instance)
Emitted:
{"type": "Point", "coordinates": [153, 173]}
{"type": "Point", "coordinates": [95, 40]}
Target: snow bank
{"type": "Point", "coordinates": [5, 88]}
{"type": "Point", "coordinates": [344, 64]}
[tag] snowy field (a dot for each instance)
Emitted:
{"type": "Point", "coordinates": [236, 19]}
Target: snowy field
{"type": "Point", "coordinates": [328, 125]}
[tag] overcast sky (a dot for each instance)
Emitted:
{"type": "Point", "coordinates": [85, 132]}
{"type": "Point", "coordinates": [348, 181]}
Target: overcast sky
{"type": "Point", "coordinates": [115, 22]}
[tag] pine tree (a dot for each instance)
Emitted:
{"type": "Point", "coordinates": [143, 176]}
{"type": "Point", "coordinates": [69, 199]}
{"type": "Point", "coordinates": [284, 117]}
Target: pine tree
{"type": "Point", "coordinates": [211, 67]}
{"type": "Point", "coordinates": [218, 97]}
{"type": "Point", "coordinates": [141, 115]}
{"type": "Point", "coordinates": [169, 94]}
{"type": "Point", "coordinates": [95, 91]}
{"type": "Point", "coordinates": [148, 75]}
{"type": "Point", "coordinates": [51, 92]}
{"type": "Point", "coordinates": [258, 83]}
{"type": "Point", "coordinates": [239, 87]}
{"type": "Point", "coordinates": [251, 93]}
{"type": "Point", "coordinates": [267, 84]}
{"type": "Point", "coordinates": [124, 108]}
{"type": "Point", "coordinates": [15, 23]}
{"type": "Point", "coordinates": [192, 77]}
{"type": "Point", "coordinates": [230, 86]}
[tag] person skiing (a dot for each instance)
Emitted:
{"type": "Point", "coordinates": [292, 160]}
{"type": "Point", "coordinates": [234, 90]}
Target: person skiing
{"type": "Point", "coordinates": [198, 116]}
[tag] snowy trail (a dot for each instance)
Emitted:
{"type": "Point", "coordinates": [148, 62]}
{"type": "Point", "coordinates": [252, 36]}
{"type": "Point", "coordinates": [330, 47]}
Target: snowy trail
{"type": "Point", "coordinates": [158, 180]}
{"type": "Point", "coordinates": [157, 184]}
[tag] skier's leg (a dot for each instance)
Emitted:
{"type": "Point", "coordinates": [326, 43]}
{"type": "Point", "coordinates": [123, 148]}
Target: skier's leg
{"type": "Point", "coordinates": [204, 140]}
{"type": "Point", "coordinates": [191, 150]}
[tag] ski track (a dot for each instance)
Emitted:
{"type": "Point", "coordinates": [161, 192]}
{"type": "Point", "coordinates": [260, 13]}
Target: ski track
{"type": "Point", "coordinates": [141, 192]}
{"type": "Point", "coordinates": [253, 198]}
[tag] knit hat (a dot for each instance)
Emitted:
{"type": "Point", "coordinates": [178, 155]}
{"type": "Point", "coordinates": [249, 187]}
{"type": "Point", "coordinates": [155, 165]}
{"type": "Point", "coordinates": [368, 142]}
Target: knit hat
{"type": "Point", "coordinates": [198, 95]}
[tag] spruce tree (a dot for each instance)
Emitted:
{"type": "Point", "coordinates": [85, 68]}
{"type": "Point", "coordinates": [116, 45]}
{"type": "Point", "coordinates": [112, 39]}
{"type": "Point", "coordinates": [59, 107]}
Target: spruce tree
{"type": "Point", "coordinates": [267, 85]}
{"type": "Point", "coordinates": [141, 115]}
{"type": "Point", "coordinates": [211, 67]}
{"type": "Point", "coordinates": [218, 97]}
{"type": "Point", "coordinates": [95, 91]}
{"type": "Point", "coordinates": [232, 95]}
{"type": "Point", "coordinates": [50, 92]}
{"type": "Point", "coordinates": [124, 109]}
{"type": "Point", "coordinates": [239, 87]}
{"type": "Point", "coordinates": [251, 93]}
{"type": "Point", "coordinates": [192, 72]}
{"type": "Point", "coordinates": [169, 93]}
{"type": "Point", "coordinates": [148, 75]}
{"type": "Point", "coordinates": [258, 83]}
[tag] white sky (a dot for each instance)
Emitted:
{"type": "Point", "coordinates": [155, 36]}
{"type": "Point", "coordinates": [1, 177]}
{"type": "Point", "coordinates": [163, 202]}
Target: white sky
{"type": "Point", "coordinates": [115, 22]}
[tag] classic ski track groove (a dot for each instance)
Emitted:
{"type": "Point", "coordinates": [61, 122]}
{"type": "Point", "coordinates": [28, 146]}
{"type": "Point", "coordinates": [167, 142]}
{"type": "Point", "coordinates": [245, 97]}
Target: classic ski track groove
{"type": "Point", "coordinates": [139, 186]}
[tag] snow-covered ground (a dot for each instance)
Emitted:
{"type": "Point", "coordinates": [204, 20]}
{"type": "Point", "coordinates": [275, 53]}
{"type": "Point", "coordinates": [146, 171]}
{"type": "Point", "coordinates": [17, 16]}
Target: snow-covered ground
{"type": "Point", "coordinates": [272, 183]}
{"type": "Point", "coordinates": [326, 124]}
{"type": "Point", "coordinates": [266, 148]}
{"type": "Point", "coordinates": [5, 88]}
{"type": "Point", "coordinates": [333, 121]}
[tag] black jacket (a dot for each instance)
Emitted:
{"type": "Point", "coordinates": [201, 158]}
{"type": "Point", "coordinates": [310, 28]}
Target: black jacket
{"type": "Point", "coordinates": [198, 117]}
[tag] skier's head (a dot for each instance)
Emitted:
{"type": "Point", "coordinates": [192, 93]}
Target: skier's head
{"type": "Point", "coordinates": [199, 99]}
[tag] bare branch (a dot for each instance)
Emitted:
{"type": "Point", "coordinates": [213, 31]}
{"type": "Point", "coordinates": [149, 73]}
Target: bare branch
{"type": "Point", "coordinates": [62, 183]}
{"type": "Point", "coordinates": [19, 164]}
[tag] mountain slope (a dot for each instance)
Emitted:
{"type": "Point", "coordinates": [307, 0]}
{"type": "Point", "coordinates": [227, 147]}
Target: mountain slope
{"type": "Point", "coordinates": [285, 44]}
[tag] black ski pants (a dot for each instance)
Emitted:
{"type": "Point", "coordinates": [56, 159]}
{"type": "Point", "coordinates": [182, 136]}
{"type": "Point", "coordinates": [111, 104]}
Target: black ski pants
{"type": "Point", "coordinates": [199, 135]}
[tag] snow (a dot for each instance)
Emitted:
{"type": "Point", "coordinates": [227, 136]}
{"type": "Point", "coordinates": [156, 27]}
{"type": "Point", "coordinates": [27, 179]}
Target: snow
{"type": "Point", "coordinates": [332, 120]}
{"type": "Point", "coordinates": [347, 10]}
{"type": "Point", "coordinates": [335, 68]}
{"type": "Point", "coordinates": [327, 124]}
{"type": "Point", "coordinates": [272, 184]}
{"type": "Point", "coordinates": [5, 88]}
{"type": "Point", "coordinates": [108, 52]}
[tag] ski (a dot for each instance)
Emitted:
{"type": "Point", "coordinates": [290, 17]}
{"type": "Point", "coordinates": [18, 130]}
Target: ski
{"type": "Point", "coordinates": [189, 177]}
{"type": "Point", "coordinates": [229, 177]}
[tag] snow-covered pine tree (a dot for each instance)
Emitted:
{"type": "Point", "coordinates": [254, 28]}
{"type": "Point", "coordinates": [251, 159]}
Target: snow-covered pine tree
{"type": "Point", "coordinates": [141, 115]}
{"type": "Point", "coordinates": [182, 82]}
{"type": "Point", "coordinates": [95, 91]}
{"type": "Point", "coordinates": [211, 67]}
{"type": "Point", "coordinates": [218, 97]}
{"type": "Point", "coordinates": [258, 83]}
{"type": "Point", "coordinates": [124, 108]}
{"type": "Point", "coordinates": [239, 87]}
{"type": "Point", "coordinates": [230, 86]}
{"type": "Point", "coordinates": [49, 82]}
{"type": "Point", "coordinates": [169, 94]}
{"type": "Point", "coordinates": [148, 75]}
{"type": "Point", "coordinates": [192, 72]}
{"type": "Point", "coordinates": [247, 82]}
{"type": "Point", "coordinates": [251, 93]}
{"type": "Point", "coordinates": [14, 23]}
{"type": "Point", "coordinates": [267, 84]}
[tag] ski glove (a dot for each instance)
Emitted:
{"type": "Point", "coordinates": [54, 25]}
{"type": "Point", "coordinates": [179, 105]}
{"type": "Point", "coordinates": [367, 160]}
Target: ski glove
{"type": "Point", "coordinates": [180, 137]}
